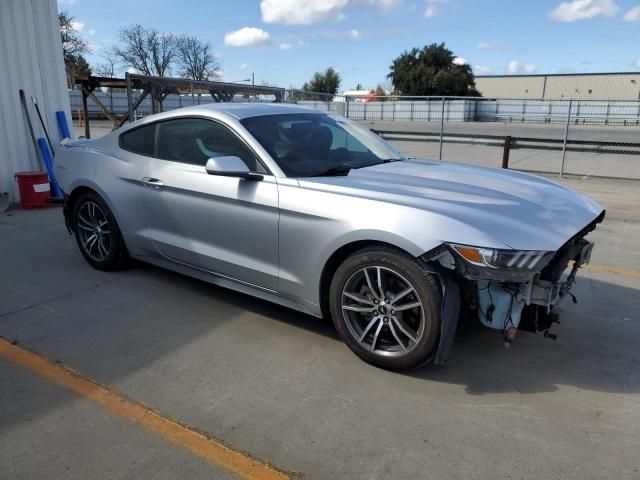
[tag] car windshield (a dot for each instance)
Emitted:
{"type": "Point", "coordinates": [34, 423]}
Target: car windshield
{"type": "Point", "coordinates": [317, 144]}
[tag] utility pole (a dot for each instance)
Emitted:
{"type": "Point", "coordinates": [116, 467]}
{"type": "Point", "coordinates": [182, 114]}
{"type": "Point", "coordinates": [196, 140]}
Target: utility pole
{"type": "Point", "coordinates": [253, 79]}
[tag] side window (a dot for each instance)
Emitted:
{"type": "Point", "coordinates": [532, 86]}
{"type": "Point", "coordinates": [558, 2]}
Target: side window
{"type": "Point", "coordinates": [196, 140]}
{"type": "Point", "coordinates": [139, 140]}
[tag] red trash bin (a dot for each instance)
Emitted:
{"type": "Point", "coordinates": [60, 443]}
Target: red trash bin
{"type": "Point", "coordinates": [34, 189]}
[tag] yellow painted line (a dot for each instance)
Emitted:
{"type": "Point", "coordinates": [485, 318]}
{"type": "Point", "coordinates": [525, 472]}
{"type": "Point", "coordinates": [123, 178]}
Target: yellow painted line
{"type": "Point", "coordinates": [207, 448]}
{"type": "Point", "coordinates": [607, 268]}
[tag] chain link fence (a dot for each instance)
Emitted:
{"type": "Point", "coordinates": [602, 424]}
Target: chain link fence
{"type": "Point", "coordinates": [564, 137]}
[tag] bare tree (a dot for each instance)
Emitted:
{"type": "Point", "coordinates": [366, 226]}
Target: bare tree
{"type": "Point", "coordinates": [147, 50]}
{"type": "Point", "coordinates": [196, 60]}
{"type": "Point", "coordinates": [72, 44]}
{"type": "Point", "coordinates": [110, 64]}
{"type": "Point", "coordinates": [73, 48]}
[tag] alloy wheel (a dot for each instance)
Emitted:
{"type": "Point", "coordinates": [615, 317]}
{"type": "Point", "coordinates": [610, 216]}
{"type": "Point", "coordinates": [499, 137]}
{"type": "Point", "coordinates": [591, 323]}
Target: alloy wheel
{"type": "Point", "coordinates": [94, 231]}
{"type": "Point", "coordinates": [383, 311]}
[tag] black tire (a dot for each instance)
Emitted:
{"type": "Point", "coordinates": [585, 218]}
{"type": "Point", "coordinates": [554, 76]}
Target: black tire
{"type": "Point", "coordinates": [397, 268]}
{"type": "Point", "coordinates": [117, 256]}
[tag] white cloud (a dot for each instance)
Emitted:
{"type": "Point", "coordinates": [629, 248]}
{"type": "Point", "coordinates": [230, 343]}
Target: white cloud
{"type": "Point", "coordinates": [285, 46]}
{"type": "Point", "coordinates": [434, 7]}
{"type": "Point", "coordinates": [247, 37]}
{"type": "Point", "coordinates": [77, 25]}
{"type": "Point", "coordinates": [302, 12]}
{"type": "Point", "coordinates": [480, 70]}
{"type": "Point", "coordinates": [513, 67]}
{"type": "Point", "coordinates": [354, 34]}
{"type": "Point", "coordinates": [459, 61]}
{"type": "Point", "coordinates": [243, 66]}
{"type": "Point", "coordinates": [131, 70]}
{"type": "Point", "coordinates": [633, 15]}
{"type": "Point", "coordinates": [92, 32]}
{"type": "Point", "coordinates": [306, 12]}
{"type": "Point", "coordinates": [583, 9]}
{"type": "Point", "coordinates": [636, 64]}
{"type": "Point", "coordinates": [483, 45]}
{"type": "Point", "coordinates": [302, 43]}
{"type": "Point", "coordinates": [516, 68]}
{"type": "Point", "coordinates": [66, 2]}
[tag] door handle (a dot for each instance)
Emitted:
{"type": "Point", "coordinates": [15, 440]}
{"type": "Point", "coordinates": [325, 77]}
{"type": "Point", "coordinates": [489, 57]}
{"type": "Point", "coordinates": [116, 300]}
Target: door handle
{"type": "Point", "coordinates": [152, 182]}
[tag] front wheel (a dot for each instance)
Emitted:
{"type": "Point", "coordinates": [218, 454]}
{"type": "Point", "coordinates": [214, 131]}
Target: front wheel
{"type": "Point", "coordinates": [97, 233]}
{"type": "Point", "coordinates": [386, 308]}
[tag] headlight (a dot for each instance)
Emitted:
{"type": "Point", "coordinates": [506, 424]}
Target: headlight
{"type": "Point", "coordinates": [502, 264]}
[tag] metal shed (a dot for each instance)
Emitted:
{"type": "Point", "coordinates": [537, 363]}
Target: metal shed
{"type": "Point", "coordinates": [30, 59]}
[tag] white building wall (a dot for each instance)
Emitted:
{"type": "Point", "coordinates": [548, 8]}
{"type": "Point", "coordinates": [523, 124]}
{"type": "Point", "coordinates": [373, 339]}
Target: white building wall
{"type": "Point", "coordinates": [30, 59]}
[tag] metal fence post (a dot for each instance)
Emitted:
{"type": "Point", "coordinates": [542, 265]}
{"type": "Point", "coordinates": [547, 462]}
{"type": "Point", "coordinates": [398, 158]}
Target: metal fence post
{"type": "Point", "coordinates": [441, 128]}
{"type": "Point", "coordinates": [193, 98]}
{"type": "Point", "coordinates": [566, 135]}
{"type": "Point", "coordinates": [507, 149]}
{"type": "Point", "coordinates": [127, 78]}
{"type": "Point", "coordinates": [346, 100]}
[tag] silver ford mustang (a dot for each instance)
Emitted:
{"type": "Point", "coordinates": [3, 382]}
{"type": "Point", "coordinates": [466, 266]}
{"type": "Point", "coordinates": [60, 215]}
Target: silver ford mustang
{"type": "Point", "coordinates": [315, 212]}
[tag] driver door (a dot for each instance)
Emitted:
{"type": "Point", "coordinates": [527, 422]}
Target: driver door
{"type": "Point", "coordinates": [225, 225]}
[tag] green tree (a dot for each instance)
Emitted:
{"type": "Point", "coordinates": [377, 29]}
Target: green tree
{"type": "Point", "coordinates": [81, 66]}
{"type": "Point", "coordinates": [380, 93]}
{"type": "Point", "coordinates": [326, 82]}
{"type": "Point", "coordinates": [431, 70]}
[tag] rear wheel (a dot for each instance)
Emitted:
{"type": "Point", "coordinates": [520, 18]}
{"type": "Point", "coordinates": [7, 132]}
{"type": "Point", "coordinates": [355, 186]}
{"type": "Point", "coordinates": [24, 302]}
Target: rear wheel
{"type": "Point", "coordinates": [97, 233]}
{"type": "Point", "coordinates": [386, 308]}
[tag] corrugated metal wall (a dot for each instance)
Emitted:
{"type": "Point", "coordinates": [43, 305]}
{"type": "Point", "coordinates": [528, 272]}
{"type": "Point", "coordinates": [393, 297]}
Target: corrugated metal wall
{"type": "Point", "coordinates": [616, 86]}
{"type": "Point", "coordinates": [31, 59]}
{"type": "Point", "coordinates": [605, 86]}
{"type": "Point", "coordinates": [513, 86]}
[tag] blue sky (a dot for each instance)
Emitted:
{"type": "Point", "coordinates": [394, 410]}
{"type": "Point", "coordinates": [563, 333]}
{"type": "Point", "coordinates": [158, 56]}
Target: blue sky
{"type": "Point", "coordinates": [285, 41]}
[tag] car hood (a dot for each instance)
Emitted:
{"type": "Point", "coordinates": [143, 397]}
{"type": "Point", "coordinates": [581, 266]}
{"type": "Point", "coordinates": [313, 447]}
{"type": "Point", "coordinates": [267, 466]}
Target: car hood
{"type": "Point", "coordinates": [522, 211]}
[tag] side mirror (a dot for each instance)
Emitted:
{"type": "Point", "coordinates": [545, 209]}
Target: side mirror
{"type": "Point", "coordinates": [230, 167]}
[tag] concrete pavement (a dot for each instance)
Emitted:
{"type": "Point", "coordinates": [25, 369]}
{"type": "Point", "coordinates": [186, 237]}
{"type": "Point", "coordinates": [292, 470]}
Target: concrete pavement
{"type": "Point", "coordinates": [282, 387]}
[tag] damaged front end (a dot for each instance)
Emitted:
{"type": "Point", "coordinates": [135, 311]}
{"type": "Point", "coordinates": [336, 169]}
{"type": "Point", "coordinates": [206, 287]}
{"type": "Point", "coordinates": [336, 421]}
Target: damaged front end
{"type": "Point", "coordinates": [511, 290]}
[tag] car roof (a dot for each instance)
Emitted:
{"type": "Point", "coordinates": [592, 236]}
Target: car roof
{"type": "Point", "coordinates": [245, 110]}
{"type": "Point", "coordinates": [233, 110]}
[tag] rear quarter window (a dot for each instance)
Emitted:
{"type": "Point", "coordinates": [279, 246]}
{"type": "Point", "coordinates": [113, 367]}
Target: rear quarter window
{"type": "Point", "coordinates": [139, 140]}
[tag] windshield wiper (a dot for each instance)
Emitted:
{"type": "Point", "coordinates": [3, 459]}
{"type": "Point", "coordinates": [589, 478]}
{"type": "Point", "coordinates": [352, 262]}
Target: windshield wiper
{"type": "Point", "coordinates": [389, 160]}
{"type": "Point", "coordinates": [333, 171]}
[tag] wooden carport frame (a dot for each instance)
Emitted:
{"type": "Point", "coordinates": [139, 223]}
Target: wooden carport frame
{"type": "Point", "coordinates": [159, 88]}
